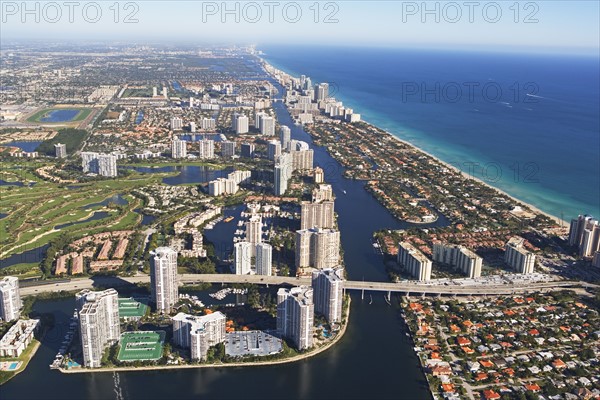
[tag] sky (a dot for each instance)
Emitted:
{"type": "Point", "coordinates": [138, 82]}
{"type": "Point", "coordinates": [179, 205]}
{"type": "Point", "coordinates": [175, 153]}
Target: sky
{"type": "Point", "coordinates": [561, 26]}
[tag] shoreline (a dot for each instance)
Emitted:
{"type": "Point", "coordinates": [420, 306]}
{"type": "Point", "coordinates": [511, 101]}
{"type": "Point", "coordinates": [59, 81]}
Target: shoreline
{"type": "Point", "coordinates": [533, 208]}
{"type": "Point", "coordinates": [234, 364]}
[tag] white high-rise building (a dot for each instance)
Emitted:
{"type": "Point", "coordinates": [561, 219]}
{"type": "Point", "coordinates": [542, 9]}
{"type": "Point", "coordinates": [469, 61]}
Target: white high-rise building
{"type": "Point", "coordinates": [154, 91]}
{"type": "Point", "coordinates": [459, 257]}
{"type": "Point", "coordinates": [243, 257]}
{"type": "Point", "coordinates": [323, 193]}
{"type": "Point", "coordinates": [60, 150]}
{"type": "Point", "coordinates": [302, 160]}
{"type": "Point", "coordinates": [99, 324]}
{"type": "Point", "coordinates": [164, 92]}
{"type": "Point", "coordinates": [101, 164]}
{"type": "Point", "coordinates": [254, 229]}
{"type": "Point", "coordinates": [273, 149]}
{"type": "Point", "coordinates": [10, 298]}
{"type": "Point", "coordinates": [317, 248]}
{"type": "Point", "coordinates": [239, 123]}
{"type": "Point", "coordinates": [264, 259]}
{"type": "Point", "coordinates": [295, 315]}
{"type": "Point", "coordinates": [517, 257]}
{"type": "Point", "coordinates": [176, 123]}
{"type": "Point", "coordinates": [285, 136]}
{"type": "Point", "coordinates": [208, 124]}
{"type": "Point", "coordinates": [222, 186]}
{"type": "Point", "coordinates": [321, 91]}
{"type": "Point", "coordinates": [328, 287]}
{"type": "Point", "coordinates": [192, 127]}
{"type": "Point", "coordinates": [282, 173]}
{"type": "Point", "coordinates": [178, 148]}
{"type": "Point", "coordinates": [319, 215]}
{"type": "Point", "coordinates": [163, 278]}
{"type": "Point", "coordinates": [199, 333]}
{"type": "Point", "coordinates": [206, 149]}
{"type": "Point", "coordinates": [267, 125]}
{"type": "Point", "coordinates": [414, 262]}
{"type": "Point", "coordinates": [318, 175]}
{"type": "Point", "coordinates": [107, 165]}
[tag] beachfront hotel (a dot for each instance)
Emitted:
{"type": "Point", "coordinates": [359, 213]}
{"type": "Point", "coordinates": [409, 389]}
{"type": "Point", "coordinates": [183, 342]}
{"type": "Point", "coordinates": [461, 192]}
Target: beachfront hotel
{"type": "Point", "coordinates": [414, 262]}
{"type": "Point", "coordinates": [10, 299]}
{"type": "Point", "coordinates": [459, 257]}
{"type": "Point", "coordinates": [98, 323]}
{"type": "Point", "coordinates": [295, 315]}
{"type": "Point", "coordinates": [328, 287]}
{"type": "Point", "coordinates": [517, 257]}
{"type": "Point", "coordinates": [198, 333]}
{"type": "Point", "coordinates": [163, 278]}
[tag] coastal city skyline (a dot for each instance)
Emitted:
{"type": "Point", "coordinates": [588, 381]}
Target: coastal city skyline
{"type": "Point", "coordinates": [374, 200]}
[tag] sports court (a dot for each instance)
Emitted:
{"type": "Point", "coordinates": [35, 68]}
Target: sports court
{"type": "Point", "coordinates": [131, 308]}
{"type": "Point", "coordinates": [141, 345]}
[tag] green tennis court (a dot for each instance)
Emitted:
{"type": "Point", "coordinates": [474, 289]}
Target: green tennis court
{"type": "Point", "coordinates": [130, 308]}
{"type": "Point", "coordinates": [141, 346]}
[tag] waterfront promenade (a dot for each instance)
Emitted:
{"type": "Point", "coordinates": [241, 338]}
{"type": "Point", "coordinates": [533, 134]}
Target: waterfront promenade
{"type": "Point", "coordinates": [409, 288]}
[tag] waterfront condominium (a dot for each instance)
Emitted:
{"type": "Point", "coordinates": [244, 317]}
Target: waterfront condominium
{"type": "Point", "coordinates": [328, 287]}
{"type": "Point", "coordinates": [198, 333]}
{"type": "Point", "coordinates": [273, 149]}
{"type": "Point", "coordinates": [317, 248]}
{"type": "Point", "coordinates": [295, 315]}
{"type": "Point", "coordinates": [459, 257]}
{"type": "Point", "coordinates": [264, 254]}
{"type": "Point", "coordinates": [242, 252]}
{"type": "Point", "coordinates": [517, 257]}
{"type": "Point", "coordinates": [98, 323]}
{"type": "Point", "coordinates": [318, 175]}
{"type": "Point", "coordinates": [10, 298]}
{"type": "Point", "coordinates": [282, 173]}
{"type": "Point", "coordinates": [178, 148]}
{"type": "Point", "coordinates": [414, 262]}
{"type": "Point", "coordinates": [163, 278]}
{"type": "Point", "coordinates": [285, 136]}
{"type": "Point", "coordinates": [317, 214]}
{"type": "Point", "coordinates": [206, 149]}
{"type": "Point", "coordinates": [585, 235]}
{"type": "Point", "coordinates": [323, 193]}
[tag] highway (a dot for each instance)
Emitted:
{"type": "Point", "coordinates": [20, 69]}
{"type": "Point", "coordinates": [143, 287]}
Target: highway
{"type": "Point", "coordinates": [403, 287]}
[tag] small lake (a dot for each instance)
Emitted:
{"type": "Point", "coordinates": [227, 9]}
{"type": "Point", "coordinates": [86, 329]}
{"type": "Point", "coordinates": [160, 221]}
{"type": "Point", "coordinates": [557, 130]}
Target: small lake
{"type": "Point", "coordinates": [65, 115]}
{"type": "Point", "coordinates": [24, 145]}
{"type": "Point", "coordinates": [30, 256]}
{"type": "Point", "coordinates": [116, 199]}
{"type": "Point", "coordinates": [96, 216]}
{"type": "Point", "coordinates": [187, 173]}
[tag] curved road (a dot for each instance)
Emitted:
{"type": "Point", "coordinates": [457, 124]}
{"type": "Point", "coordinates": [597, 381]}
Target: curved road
{"type": "Point", "coordinates": [403, 287]}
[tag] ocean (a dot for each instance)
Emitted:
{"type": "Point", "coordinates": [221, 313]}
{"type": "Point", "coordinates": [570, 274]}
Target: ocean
{"type": "Point", "coordinates": [527, 124]}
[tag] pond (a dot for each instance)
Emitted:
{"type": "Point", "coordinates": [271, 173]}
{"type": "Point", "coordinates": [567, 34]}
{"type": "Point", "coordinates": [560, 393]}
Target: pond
{"type": "Point", "coordinates": [65, 115]}
{"type": "Point", "coordinates": [187, 173]}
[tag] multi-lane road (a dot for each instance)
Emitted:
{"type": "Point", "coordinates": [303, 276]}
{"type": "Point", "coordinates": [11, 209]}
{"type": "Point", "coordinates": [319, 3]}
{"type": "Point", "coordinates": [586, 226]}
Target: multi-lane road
{"type": "Point", "coordinates": [403, 287]}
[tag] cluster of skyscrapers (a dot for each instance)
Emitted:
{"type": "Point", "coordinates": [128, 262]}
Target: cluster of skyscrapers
{"type": "Point", "coordinates": [296, 306]}
{"type": "Point", "coordinates": [253, 248]}
{"type": "Point", "coordinates": [100, 164]}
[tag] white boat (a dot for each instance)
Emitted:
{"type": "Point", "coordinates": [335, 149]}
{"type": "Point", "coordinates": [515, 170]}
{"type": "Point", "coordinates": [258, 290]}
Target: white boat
{"type": "Point", "coordinates": [344, 191]}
